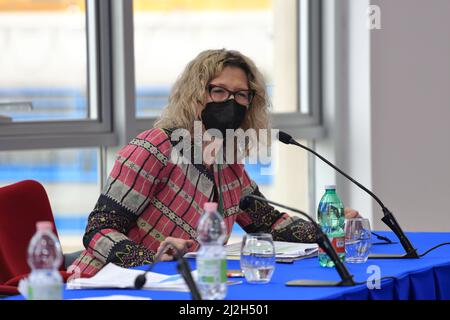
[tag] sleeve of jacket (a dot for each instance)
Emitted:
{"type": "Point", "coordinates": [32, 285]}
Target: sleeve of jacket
{"type": "Point", "coordinates": [259, 216]}
{"type": "Point", "coordinates": [137, 171]}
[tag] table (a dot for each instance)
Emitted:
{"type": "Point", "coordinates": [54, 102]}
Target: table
{"type": "Point", "coordinates": [424, 278]}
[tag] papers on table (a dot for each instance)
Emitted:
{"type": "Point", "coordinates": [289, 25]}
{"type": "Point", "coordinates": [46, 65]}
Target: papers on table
{"type": "Point", "coordinates": [112, 276]}
{"type": "Point", "coordinates": [284, 251]}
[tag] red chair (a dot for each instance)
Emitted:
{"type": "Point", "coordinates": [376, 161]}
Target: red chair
{"type": "Point", "coordinates": [22, 204]}
{"type": "Point", "coordinates": [8, 290]}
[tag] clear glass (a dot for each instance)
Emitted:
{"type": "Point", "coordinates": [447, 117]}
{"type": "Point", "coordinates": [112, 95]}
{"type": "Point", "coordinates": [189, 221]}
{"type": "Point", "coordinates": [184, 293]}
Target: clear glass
{"type": "Point", "coordinates": [357, 240]}
{"type": "Point", "coordinates": [43, 61]}
{"type": "Point", "coordinates": [258, 257]}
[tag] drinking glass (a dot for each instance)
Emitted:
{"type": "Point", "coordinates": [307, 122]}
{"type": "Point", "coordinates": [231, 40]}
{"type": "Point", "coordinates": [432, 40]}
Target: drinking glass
{"type": "Point", "coordinates": [257, 257]}
{"type": "Point", "coordinates": [357, 240]}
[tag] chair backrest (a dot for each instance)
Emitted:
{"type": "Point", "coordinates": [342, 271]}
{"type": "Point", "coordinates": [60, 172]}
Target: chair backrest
{"type": "Point", "coordinates": [22, 204]}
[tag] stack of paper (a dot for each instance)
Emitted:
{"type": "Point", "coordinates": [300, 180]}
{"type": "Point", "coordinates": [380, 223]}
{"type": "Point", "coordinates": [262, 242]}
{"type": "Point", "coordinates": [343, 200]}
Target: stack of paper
{"type": "Point", "coordinates": [112, 276]}
{"type": "Point", "coordinates": [283, 250]}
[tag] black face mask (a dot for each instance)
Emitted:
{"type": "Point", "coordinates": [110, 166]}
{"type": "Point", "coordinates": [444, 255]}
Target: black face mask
{"type": "Point", "coordinates": [223, 115]}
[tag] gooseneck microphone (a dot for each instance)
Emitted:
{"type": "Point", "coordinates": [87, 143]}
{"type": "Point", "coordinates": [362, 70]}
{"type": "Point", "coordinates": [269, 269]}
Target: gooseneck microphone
{"type": "Point", "coordinates": [324, 243]}
{"type": "Point", "coordinates": [388, 219]}
{"type": "Point", "coordinates": [182, 268]}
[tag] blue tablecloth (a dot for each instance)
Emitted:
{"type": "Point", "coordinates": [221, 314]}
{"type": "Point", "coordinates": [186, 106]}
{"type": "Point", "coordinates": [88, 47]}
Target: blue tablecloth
{"type": "Point", "coordinates": [424, 278]}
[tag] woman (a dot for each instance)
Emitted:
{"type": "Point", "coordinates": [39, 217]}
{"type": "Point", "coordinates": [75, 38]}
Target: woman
{"type": "Point", "coordinates": [149, 200]}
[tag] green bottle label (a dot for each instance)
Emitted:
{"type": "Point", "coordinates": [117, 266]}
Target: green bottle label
{"type": "Point", "coordinates": [211, 271]}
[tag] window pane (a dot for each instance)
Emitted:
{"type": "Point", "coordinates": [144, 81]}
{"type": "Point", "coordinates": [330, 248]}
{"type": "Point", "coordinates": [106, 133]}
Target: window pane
{"type": "Point", "coordinates": [288, 183]}
{"type": "Point", "coordinates": [284, 179]}
{"type": "Point", "coordinates": [168, 34]}
{"type": "Point", "coordinates": [69, 176]}
{"type": "Point", "coordinates": [43, 60]}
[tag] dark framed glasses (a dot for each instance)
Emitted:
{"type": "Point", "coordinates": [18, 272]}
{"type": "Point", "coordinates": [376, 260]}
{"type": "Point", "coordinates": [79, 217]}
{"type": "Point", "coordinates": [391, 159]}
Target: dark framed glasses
{"type": "Point", "coordinates": [220, 94]}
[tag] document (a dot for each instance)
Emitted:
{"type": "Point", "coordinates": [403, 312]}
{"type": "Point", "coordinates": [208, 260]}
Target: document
{"type": "Point", "coordinates": [283, 250]}
{"type": "Point", "coordinates": [112, 276]}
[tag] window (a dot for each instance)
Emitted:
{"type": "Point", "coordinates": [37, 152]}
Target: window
{"type": "Point", "coordinates": [55, 70]}
{"type": "Point", "coordinates": [168, 36]}
{"type": "Point", "coordinates": [70, 178]}
{"type": "Point", "coordinates": [43, 61]}
{"type": "Point", "coordinates": [280, 36]}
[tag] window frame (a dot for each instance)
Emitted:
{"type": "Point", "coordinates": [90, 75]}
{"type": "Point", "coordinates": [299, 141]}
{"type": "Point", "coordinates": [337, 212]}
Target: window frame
{"type": "Point", "coordinates": [309, 42]}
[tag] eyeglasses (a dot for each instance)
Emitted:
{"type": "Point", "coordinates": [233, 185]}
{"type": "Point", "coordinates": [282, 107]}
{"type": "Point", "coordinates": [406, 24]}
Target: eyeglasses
{"type": "Point", "coordinates": [220, 94]}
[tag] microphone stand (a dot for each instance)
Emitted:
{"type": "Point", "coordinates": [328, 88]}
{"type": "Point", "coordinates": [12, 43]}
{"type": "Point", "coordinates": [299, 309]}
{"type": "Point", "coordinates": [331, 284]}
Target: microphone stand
{"type": "Point", "coordinates": [388, 219]}
{"type": "Point", "coordinates": [182, 268]}
{"type": "Point", "coordinates": [324, 243]}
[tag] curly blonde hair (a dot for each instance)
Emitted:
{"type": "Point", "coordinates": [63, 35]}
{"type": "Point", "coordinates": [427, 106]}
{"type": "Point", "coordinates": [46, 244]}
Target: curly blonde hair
{"type": "Point", "coordinates": [189, 91]}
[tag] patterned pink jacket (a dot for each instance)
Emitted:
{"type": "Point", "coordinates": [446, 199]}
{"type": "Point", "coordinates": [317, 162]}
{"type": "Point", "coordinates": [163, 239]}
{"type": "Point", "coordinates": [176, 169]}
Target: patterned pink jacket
{"type": "Point", "coordinates": [147, 198]}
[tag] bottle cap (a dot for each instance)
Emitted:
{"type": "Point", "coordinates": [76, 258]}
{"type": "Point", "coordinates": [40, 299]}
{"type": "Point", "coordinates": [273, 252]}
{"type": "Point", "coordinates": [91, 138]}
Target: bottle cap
{"type": "Point", "coordinates": [330, 187]}
{"type": "Point", "coordinates": [44, 226]}
{"type": "Point", "coordinates": [210, 206]}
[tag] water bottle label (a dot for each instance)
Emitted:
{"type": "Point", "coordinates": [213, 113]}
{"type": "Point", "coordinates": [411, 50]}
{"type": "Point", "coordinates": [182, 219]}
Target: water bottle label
{"type": "Point", "coordinates": [338, 244]}
{"type": "Point", "coordinates": [212, 271]}
{"type": "Point", "coordinates": [44, 292]}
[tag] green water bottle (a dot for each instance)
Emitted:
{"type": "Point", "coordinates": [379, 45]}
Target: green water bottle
{"type": "Point", "coordinates": [332, 221]}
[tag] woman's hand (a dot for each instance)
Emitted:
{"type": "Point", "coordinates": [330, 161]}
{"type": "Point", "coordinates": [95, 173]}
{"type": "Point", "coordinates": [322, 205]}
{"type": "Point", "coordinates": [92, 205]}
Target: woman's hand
{"type": "Point", "coordinates": [169, 252]}
{"type": "Point", "coordinates": [351, 213]}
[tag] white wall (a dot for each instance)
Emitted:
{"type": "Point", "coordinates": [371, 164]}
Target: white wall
{"type": "Point", "coordinates": [411, 112]}
{"type": "Point", "coordinates": [387, 109]}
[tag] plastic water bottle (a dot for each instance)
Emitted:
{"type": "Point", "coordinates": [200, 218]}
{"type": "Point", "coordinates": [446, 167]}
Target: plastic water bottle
{"type": "Point", "coordinates": [332, 221]}
{"type": "Point", "coordinates": [211, 258]}
{"type": "Point", "coordinates": [44, 258]}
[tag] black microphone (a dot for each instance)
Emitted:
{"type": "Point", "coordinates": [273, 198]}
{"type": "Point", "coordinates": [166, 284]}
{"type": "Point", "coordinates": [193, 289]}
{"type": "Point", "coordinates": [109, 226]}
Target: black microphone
{"type": "Point", "coordinates": [388, 219]}
{"type": "Point", "coordinates": [323, 242]}
{"type": "Point", "coordinates": [182, 268]}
